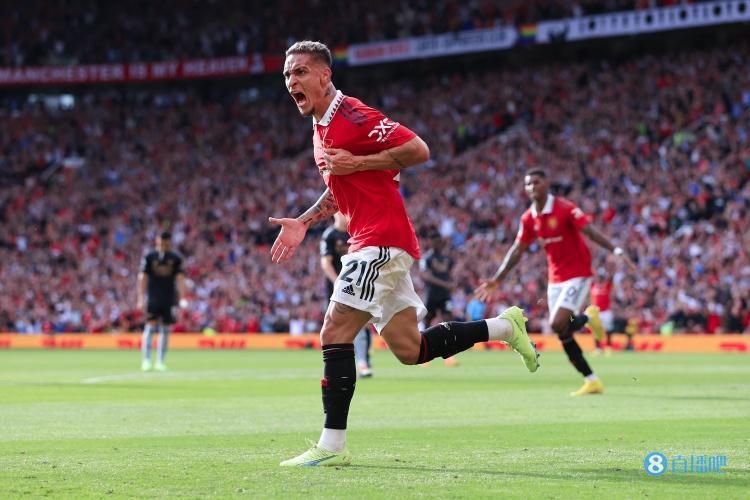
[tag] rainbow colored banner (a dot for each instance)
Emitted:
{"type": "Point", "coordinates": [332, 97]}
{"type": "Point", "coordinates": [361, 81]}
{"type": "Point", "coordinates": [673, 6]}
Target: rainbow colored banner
{"type": "Point", "coordinates": [527, 34]}
{"type": "Point", "coordinates": [340, 55]}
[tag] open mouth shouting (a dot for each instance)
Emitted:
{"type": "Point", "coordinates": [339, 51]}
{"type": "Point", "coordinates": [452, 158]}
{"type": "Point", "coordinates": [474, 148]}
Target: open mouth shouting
{"type": "Point", "coordinates": [300, 99]}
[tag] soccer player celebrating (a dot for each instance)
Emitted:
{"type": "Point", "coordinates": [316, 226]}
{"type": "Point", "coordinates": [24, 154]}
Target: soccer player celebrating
{"type": "Point", "coordinates": [160, 279]}
{"type": "Point", "coordinates": [558, 224]}
{"type": "Point", "coordinates": [333, 245]}
{"type": "Point", "coordinates": [359, 153]}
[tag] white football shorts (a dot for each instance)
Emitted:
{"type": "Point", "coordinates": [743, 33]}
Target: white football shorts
{"type": "Point", "coordinates": [376, 280]}
{"type": "Point", "coordinates": [571, 295]}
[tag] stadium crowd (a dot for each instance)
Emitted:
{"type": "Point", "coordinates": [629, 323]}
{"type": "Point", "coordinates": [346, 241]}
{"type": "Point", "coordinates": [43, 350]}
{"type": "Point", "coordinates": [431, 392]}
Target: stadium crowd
{"type": "Point", "coordinates": [656, 148]}
{"type": "Point", "coordinates": [61, 32]}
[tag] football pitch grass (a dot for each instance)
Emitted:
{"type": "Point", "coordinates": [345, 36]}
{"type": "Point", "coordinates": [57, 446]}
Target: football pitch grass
{"type": "Point", "coordinates": [90, 425]}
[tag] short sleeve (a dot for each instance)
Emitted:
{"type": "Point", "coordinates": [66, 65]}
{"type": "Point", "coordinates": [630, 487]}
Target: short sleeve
{"type": "Point", "coordinates": [578, 217]}
{"type": "Point", "coordinates": [323, 248]}
{"type": "Point", "coordinates": [327, 245]}
{"type": "Point", "coordinates": [380, 132]}
{"type": "Point", "coordinates": [178, 265]}
{"type": "Point", "coordinates": [145, 268]}
{"type": "Point", "coordinates": [526, 233]}
{"type": "Point", "coordinates": [424, 265]}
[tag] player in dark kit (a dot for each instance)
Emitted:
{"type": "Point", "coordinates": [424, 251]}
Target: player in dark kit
{"type": "Point", "coordinates": [333, 245]}
{"type": "Point", "coordinates": [436, 266]}
{"type": "Point", "coordinates": [162, 281]}
{"type": "Point", "coordinates": [559, 225]}
{"type": "Point", "coordinates": [359, 153]}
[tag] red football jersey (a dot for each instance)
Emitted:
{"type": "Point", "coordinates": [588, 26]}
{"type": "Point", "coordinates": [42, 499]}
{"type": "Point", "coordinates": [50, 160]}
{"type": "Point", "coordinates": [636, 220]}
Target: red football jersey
{"type": "Point", "coordinates": [371, 199]}
{"type": "Point", "coordinates": [558, 228]}
{"type": "Point", "coordinates": [600, 295]}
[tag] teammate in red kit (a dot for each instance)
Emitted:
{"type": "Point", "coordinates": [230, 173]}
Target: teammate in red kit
{"type": "Point", "coordinates": [601, 316]}
{"type": "Point", "coordinates": [558, 224]}
{"type": "Point", "coordinates": [359, 153]}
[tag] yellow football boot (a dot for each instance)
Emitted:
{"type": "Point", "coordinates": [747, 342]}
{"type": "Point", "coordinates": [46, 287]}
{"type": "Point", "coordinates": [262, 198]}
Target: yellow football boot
{"type": "Point", "coordinates": [589, 387]}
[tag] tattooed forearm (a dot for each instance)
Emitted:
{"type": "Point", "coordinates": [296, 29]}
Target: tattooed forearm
{"type": "Point", "coordinates": [322, 209]}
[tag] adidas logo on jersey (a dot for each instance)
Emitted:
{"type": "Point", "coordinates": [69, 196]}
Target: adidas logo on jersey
{"type": "Point", "coordinates": [349, 290]}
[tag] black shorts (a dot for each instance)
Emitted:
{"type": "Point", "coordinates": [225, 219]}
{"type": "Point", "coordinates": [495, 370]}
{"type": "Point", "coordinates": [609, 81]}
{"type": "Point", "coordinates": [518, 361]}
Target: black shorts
{"type": "Point", "coordinates": [160, 311]}
{"type": "Point", "coordinates": [437, 303]}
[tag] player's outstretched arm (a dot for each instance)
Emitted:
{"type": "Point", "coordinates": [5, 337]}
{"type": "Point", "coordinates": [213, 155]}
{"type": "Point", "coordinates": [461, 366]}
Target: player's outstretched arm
{"type": "Point", "coordinates": [323, 209]}
{"type": "Point", "coordinates": [293, 230]}
{"type": "Point", "coordinates": [485, 290]}
{"type": "Point", "coordinates": [600, 239]}
{"type": "Point", "coordinates": [342, 162]}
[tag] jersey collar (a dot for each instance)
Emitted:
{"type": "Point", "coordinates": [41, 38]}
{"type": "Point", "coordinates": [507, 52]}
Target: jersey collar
{"type": "Point", "coordinates": [328, 116]}
{"type": "Point", "coordinates": [547, 206]}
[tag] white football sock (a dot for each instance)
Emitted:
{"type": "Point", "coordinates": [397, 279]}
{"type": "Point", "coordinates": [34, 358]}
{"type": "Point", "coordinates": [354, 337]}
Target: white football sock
{"type": "Point", "coordinates": [499, 329]}
{"type": "Point", "coordinates": [592, 377]}
{"type": "Point", "coordinates": [161, 346]}
{"type": "Point", "coordinates": [146, 343]}
{"type": "Point", "coordinates": [332, 440]}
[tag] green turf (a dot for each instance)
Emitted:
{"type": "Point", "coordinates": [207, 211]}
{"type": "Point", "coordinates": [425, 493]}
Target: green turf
{"type": "Point", "coordinates": [89, 425]}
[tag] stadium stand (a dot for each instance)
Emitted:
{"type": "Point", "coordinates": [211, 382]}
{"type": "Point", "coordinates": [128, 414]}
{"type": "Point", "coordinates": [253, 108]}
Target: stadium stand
{"type": "Point", "coordinates": [85, 183]}
{"type": "Point", "coordinates": [40, 32]}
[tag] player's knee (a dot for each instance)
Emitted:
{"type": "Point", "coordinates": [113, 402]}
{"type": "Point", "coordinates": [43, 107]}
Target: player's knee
{"type": "Point", "coordinates": [337, 329]}
{"type": "Point", "coordinates": [407, 356]}
{"type": "Point", "coordinates": [331, 334]}
{"type": "Point", "coordinates": [560, 327]}
{"type": "Point", "coordinates": [564, 334]}
{"type": "Point", "coordinates": [405, 349]}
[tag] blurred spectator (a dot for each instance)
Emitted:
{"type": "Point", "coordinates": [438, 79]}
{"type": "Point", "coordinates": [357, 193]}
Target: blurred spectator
{"type": "Point", "coordinates": [656, 148]}
{"type": "Point", "coordinates": [61, 32]}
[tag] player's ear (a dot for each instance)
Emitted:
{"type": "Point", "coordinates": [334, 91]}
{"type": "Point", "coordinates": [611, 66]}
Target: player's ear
{"type": "Point", "coordinates": [325, 76]}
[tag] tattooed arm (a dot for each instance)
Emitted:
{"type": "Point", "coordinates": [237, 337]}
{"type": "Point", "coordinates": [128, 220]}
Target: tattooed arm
{"type": "Point", "coordinates": [323, 209]}
{"type": "Point", "coordinates": [293, 230]}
